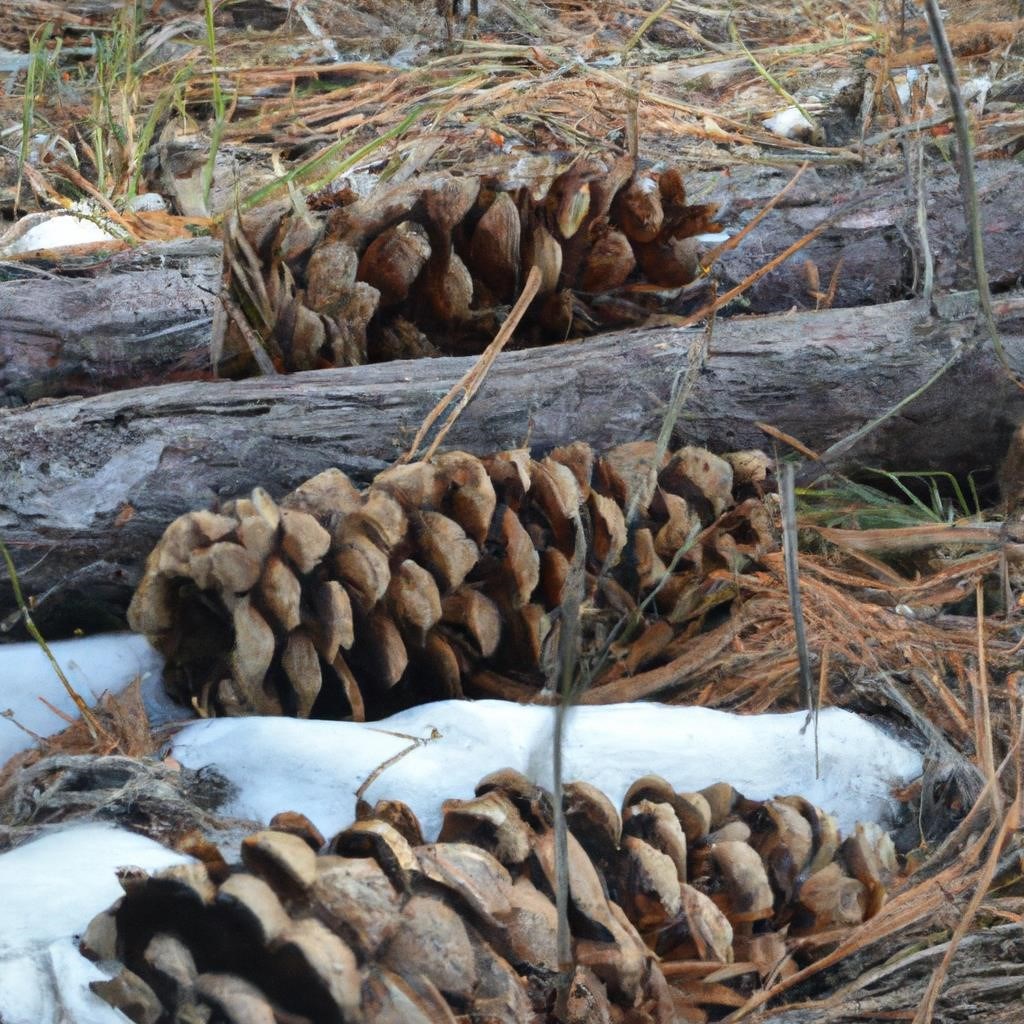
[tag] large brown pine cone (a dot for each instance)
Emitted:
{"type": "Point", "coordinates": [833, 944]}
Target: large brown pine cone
{"type": "Point", "coordinates": [431, 265]}
{"type": "Point", "coordinates": [445, 579]}
{"type": "Point", "coordinates": [379, 926]}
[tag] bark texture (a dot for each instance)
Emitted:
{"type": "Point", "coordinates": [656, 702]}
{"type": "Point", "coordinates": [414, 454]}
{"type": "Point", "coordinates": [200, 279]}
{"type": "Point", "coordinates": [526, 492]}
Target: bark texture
{"type": "Point", "coordinates": [985, 982]}
{"type": "Point", "coordinates": [877, 240]}
{"type": "Point", "coordinates": [144, 317]}
{"type": "Point", "coordinates": [87, 486]}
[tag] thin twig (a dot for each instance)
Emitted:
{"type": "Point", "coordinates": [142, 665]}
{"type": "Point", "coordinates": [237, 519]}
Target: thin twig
{"type": "Point", "coordinates": [968, 184]}
{"type": "Point", "coordinates": [772, 264]}
{"type": "Point", "coordinates": [982, 717]}
{"type": "Point", "coordinates": [926, 1009]}
{"type": "Point", "coordinates": [682, 386]}
{"type": "Point", "coordinates": [922, 220]}
{"type": "Point", "coordinates": [794, 443]}
{"type": "Point", "coordinates": [415, 742]}
{"type": "Point", "coordinates": [883, 138]}
{"type": "Point", "coordinates": [645, 25]}
{"type": "Point", "coordinates": [470, 383]}
{"type": "Point", "coordinates": [787, 495]}
{"type": "Point", "coordinates": [568, 653]}
{"type": "Point", "coordinates": [259, 353]}
{"type": "Point", "coordinates": [733, 240]}
{"type": "Point", "coordinates": [846, 443]}
{"type": "Point", "coordinates": [833, 286]}
{"type": "Point", "coordinates": [1013, 700]}
{"type": "Point", "coordinates": [823, 678]}
{"type": "Point", "coordinates": [8, 713]}
{"type": "Point", "coordinates": [772, 80]}
{"type": "Point", "coordinates": [79, 181]}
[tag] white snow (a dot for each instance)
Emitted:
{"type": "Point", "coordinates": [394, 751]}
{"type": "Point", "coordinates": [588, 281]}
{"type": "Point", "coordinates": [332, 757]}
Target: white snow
{"type": "Point", "coordinates": [52, 888]}
{"type": "Point", "coordinates": [92, 664]}
{"type": "Point", "coordinates": [51, 230]}
{"type": "Point", "coordinates": [148, 202]}
{"type": "Point", "coordinates": [789, 123]}
{"type": "Point", "coordinates": [317, 767]}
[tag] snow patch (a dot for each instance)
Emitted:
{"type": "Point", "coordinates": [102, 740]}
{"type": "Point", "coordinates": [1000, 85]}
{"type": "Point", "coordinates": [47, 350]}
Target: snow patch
{"type": "Point", "coordinates": [52, 888]}
{"type": "Point", "coordinates": [790, 123]}
{"type": "Point", "coordinates": [55, 885]}
{"type": "Point", "coordinates": [52, 230]}
{"type": "Point", "coordinates": [148, 202]}
{"type": "Point", "coordinates": [93, 665]}
{"type": "Point", "coordinates": [317, 767]}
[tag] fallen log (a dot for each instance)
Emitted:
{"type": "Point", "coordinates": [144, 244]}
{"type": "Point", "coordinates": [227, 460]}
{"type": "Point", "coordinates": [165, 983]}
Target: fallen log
{"type": "Point", "coordinates": [985, 981]}
{"type": "Point", "coordinates": [877, 240]}
{"type": "Point", "coordinates": [88, 485]}
{"type": "Point", "coordinates": [143, 317]}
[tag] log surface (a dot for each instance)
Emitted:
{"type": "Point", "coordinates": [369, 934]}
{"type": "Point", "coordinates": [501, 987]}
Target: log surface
{"type": "Point", "coordinates": [985, 982]}
{"type": "Point", "coordinates": [145, 317]}
{"type": "Point", "coordinates": [88, 485]}
{"type": "Point", "coordinates": [877, 240]}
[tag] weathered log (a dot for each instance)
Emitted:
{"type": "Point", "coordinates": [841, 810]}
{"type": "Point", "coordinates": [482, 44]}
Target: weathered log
{"type": "Point", "coordinates": [88, 485]}
{"type": "Point", "coordinates": [877, 240]}
{"type": "Point", "coordinates": [143, 317]}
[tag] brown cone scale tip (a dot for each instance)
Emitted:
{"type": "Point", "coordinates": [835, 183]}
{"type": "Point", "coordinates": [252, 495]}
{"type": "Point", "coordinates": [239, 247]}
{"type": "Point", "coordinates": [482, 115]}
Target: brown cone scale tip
{"type": "Point", "coordinates": [666, 923]}
{"type": "Point", "coordinates": [442, 579]}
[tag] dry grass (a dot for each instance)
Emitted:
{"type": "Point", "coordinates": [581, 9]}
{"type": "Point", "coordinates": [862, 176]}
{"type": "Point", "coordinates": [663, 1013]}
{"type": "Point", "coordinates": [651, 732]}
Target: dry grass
{"type": "Point", "coordinates": [900, 620]}
{"type": "Point", "coordinates": [123, 726]}
{"type": "Point", "coordinates": [695, 85]}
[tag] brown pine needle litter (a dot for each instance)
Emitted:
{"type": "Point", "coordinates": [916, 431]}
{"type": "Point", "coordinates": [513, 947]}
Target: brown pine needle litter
{"type": "Point", "coordinates": [917, 624]}
{"type": "Point", "coordinates": [569, 85]}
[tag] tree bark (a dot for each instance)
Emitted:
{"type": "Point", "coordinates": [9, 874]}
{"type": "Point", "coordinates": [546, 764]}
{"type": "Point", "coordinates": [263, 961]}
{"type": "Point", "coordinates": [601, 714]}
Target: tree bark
{"type": "Point", "coordinates": [144, 318]}
{"type": "Point", "coordinates": [877, 241]}
{"type": "Point", "coordinates": [88, 485]}
{"type": "Point", "coordinates": [984, 982]}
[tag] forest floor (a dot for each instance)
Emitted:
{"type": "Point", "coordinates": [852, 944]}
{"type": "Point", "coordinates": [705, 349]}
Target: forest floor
{"type": "Point", "coordinates": [126, 126]}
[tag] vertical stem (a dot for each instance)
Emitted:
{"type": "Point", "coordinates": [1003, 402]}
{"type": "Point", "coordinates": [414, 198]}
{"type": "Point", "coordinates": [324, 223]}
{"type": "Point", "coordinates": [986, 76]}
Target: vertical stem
{"type": "Point", "coordinates": [982, 716]}
{"type": "Point", "coordinates": [787, 492]}
{"type": "Point", "coordinates": [563, 939]}
{"type": "Point", "coordinates": [569, 670]}
{"type": "Point", "coordinates": [968, 184]}
{"type": "Point", "coordinates": [87, 716]}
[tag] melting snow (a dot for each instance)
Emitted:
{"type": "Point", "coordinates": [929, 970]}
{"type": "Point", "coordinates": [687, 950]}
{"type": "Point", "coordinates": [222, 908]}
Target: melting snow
{"type": "Point", "coordinates": [53, 887]}
{"type": "Point", "coordinates": [317, 767]}
{"type": "Point", "coordinates": [92, 665]}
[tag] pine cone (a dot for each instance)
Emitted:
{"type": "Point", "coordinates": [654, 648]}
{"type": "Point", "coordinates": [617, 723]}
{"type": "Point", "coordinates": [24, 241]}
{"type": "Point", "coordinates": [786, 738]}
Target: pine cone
{"type": "Point", "coordinates": [446, 255]}
{"type": "Point", "coordinates": [440, 579]}
{"type": "Point", "coordinates": [378, 926]}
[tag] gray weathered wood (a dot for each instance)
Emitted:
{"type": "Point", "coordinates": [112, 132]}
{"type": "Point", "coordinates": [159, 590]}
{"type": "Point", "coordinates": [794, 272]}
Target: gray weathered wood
{"type": "Point", "coordinates": [143, 317]}
{"type": "Point", "coordinates": [984, 983]}
{"type": "Point", "coordinates": [877, 241]}
{"type": "Point", "coordinates": [87, 486]}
